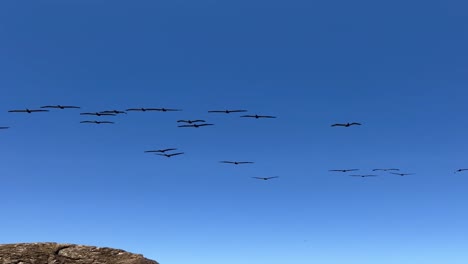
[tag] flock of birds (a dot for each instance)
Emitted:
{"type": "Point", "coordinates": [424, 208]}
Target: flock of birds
{"type": "Point", "coordinates": [196, 124]}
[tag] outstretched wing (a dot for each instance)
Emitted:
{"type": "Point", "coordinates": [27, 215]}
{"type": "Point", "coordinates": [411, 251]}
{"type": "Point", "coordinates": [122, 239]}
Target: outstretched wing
{"type": "Point", "coordinates": [205, 125]}
{"type": "Point", "coordinates": [266, 116]}
{"type": "Point", "coordinates": [39, 110]}
{"type": "Point", "coordinates": [248, 116]}
{"type": "Point", "coordinates": [271, 177]}
{"type": "Point", "coordinates": [175, 154]}
{"type": "Point", "coordinates": [355, 124]}
{"type": "Point", "coordinates": [244, 162]}
{"type": "Point", "coordinates": [338, 125]}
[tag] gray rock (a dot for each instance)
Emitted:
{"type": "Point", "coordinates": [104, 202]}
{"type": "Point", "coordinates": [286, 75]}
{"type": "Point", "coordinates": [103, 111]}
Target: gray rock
{"type": "Point", "coordinates": [53, 253]}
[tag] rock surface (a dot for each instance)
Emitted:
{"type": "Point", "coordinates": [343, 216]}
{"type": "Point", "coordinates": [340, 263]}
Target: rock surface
{"type": "Point", "coordinates": [53, 253]}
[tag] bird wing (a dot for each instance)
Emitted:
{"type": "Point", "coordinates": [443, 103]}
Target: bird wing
{"type": "Point", "coordinates": [216, 111]}
{"type": "Point", "coordinates": [186, 126]}
{"type": "Point", "coordinates": [134, 109]}
{"type": "Point", "coordinates": [226, 161]}
{"type": "Point", "coordinates": [357, 124]}
{"type": "Point", "coordinates": [237, 111]}
{"type": "Point", "coordinates": [184, 121]}
{"type": "Point", "coordinates": [172, 109]}
{"type": "Point", "coordinates": [50, 106]}
{"type": "Point", "coordinates": [258, 178]}
{"type": "Point", "coordinates": [39, 110]}
{"type": "Point", "coordinates": [338, 125]}
{"type": "Point", "coordinates": [248, 116]}
{"type": "Point", "coordinates": [106, 122]}
{"type": "Point", "coordinates": [71, 106]}
{"type": "Point", "coordinates": [169, 149]}
{"type": "Point", "coordinates": [17, 111]}
{"type": "Point", "coordinates": [244, 162]}
{"type": "Point", "coordinates": [175, 154]}
{"type": "Point", "coordinates": [205, 125]}
{"type": "Point", "coordinates": [4, 127]}
{"type": "Point", "coordinates": [198, 120]}
{"type": "Point", "coordinates": [271, 177]}
{"type": "Point", "coordinates": [87, 121]}
{"type": "Point", "coordinates": [266, 116]}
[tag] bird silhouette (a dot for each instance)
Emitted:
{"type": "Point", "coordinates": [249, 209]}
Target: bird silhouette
{"type": "Point", "coordinates": [61, 106]}
{"type": "Point", "coordinates": [167, 109]}
{"type": "Point", "coordinates": [460, 170]}
{"type": "Point", "coordinates": [97, 122]}
{"type": "Point", "coordinates": [346, 170]}
{"type": "Point", "coordinates": [113, 112]}
{"type": "Point", "coordinates": [236, 162]}
{"type": "Point", "coordinates": [364, 175]}
{"type": "Point", "coordinates": [401, 174]}
{"type": "Point", "coordinates": [265, 178]}
{"type": "Point", "coordinates": [190, 121]}
{"type": "Point", "coordinates": [226, 111]}
{"type": "Point", "coordinates": [385, 169]}
{"type": "Point", "coordinates": [142, 109]}
{"type": "Point", "coordinates": [160, 150]}
{"type": "Point", "coordinates": [347, 124]}
{"type": "Point", "coordinates": [170, 155]}
{"type": "Point", "coordinates": [98, 114]}
{"type": "Point", "coordinates": [28, 111]}
{"type": "Point", "coordinates": [196, 125]}
{"type": "Point", "coordinates": [259, 116]}
{"type": "Point", "coordinates": [4, 127]}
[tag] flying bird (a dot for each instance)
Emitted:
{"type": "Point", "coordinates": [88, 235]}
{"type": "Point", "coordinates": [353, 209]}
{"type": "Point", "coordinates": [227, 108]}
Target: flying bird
{"type": "Point", "coordinates": [401, 174]}
{"type": "Point", "coordinates": [460, 170]}
{"type": "Point", "coordinates": [364, 175]}
{"type": "Point", "coordinates": [28, 111]}
{"type": "Point", "coordinates": [61, 106]}
{"type": "Point", "coordinates": [265, 178]}
{"type": "Point", "coordinates": [259, 116]}
{"type": "Point", "coordinates": [113, 112]}
{"type": "Point", "coordinates": [142, 109]}
{"type": "Point", "coordinates": [190, 121]}
{"type": "Point", "coordinates": [98, 114]}
{"type": "Point", "coordinates": [170, 155]}
{"type": "Point", "coordinates": [347, 124]}
{"type": "Point", "coordinates": [196, 125]}
{"type": "Point", "coordinates": [385, 169]}
{"type": "Point", "coordinates": [160, 150]}
{"type": "Point", "coordinates": [97, 122]}
{"type": "Point", "coordinates": [236, 162]}
{"type": "Point", "coordinates": [226, 111]}
{"type": "Point", "coordinates": [346, 170]}
{"type": "Point", "coordinates": [167, 109]}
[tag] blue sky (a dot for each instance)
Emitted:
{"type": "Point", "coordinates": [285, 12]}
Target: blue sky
{"type": "Point", "coordinates": [397, 67]}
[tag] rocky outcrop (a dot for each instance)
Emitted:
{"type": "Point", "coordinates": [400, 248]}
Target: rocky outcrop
{"type": "Point", "coordinates": [53, 253]}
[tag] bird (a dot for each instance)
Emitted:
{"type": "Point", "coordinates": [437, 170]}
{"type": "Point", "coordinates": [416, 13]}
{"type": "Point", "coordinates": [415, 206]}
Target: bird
{"type": "Point", "coordinates": [236, 162]}
{"type": "Point", "coordinates": [265, 178]}
{"type": "Point", "coordinates": [460, 170]}
{"type": "Point", "coordinates": [385, 169]}
{"type": "Point", "coordinates": [142, 109]}
{"type": "Point", "coordinates": [60, 106]}
{"type": "Point", "coordinates": [196, 125]}
{"type": "Point", "coordinates": [160, 150]}
{"type": "Point", "coordinates": [4, 127]}
{"type": "Point", "coordinates": [170, 155]}
{"type": "Point", "coordinates": [347, 124]}
{"type": "Point", "coordinates": [401, 174]}
{"type": "Point", "coordinates": [98, 114]}
{"type": "Point", "coordinates": [97, 122]}
{"type": "Point", "coordinates": [28, 111]}
{"type": "Point", "coordinates": [364, 175]}
{"type": "Point", "coordinates": [259, 116]}
{"type": "Point", "coordinates": [190, 121]}
{"type": "Point", "coordinates": [346, 170]}
{"type": "Point", "coordinates": [226, 111]}
{"type": "Point", "coordinates": [167, 109]}
{"type": "Point", "coordinates": [113, 112]}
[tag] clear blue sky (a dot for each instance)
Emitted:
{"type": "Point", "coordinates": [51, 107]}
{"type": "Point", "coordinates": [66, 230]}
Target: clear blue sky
{"type": "Point", "coordinates": [398, 67]}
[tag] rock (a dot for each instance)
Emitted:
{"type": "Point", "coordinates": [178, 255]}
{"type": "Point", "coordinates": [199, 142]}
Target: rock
{"type": "Point", "coordinates": [53, 253]}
